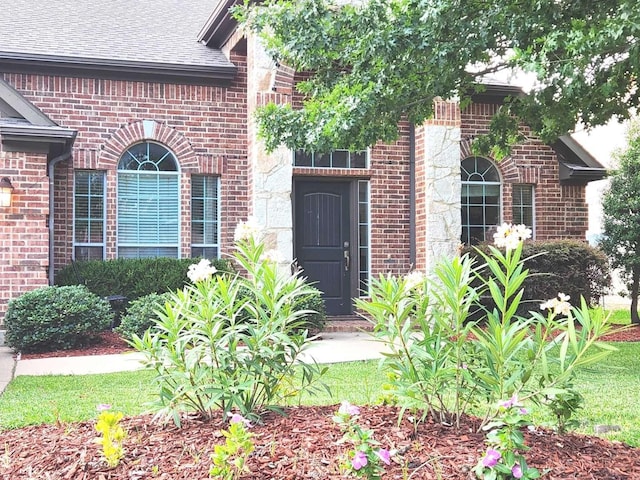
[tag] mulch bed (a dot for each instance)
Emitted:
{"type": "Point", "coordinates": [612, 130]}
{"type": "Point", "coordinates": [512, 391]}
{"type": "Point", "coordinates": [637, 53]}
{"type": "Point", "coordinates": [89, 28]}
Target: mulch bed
{"type": "Point", "coordinates": [105, 343]}
{"type": "Point", "coordinates": [301, 445]}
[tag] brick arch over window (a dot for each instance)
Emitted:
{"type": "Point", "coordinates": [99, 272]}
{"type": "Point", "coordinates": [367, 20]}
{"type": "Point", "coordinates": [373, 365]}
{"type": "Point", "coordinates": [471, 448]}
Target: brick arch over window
{"type": "Point", "coordinates": [508, 168]}
{"type": "Point", "coordinates": [145, 130]}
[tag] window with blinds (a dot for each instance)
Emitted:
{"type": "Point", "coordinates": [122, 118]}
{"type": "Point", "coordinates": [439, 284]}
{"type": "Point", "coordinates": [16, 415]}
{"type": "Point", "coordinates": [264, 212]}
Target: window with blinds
{"type": "Point", "coordinates": [88, 215]}
{"type": "Point", "coordinates": [148, 203]}
{"type": "Point", "coordinates": [205, 216]}
{"type": "Point", "coordinates": [523, 205]}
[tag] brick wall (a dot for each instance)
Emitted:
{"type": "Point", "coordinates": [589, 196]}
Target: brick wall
{"type": "Point", "coordinates": [390, 212]}
{"type": "Point", "coordinates": [561, 212]}
{"type": "Point", "coordinates": [205, 126]}
{"type": "Point", "coordinates": [24, 237]}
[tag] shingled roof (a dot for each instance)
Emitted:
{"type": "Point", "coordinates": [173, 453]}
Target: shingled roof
{"type": "Point", "coordinates": [147, 37]}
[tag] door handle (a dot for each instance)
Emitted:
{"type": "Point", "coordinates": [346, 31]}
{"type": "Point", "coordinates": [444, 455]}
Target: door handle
{"type": "Point", "coordinates": [347, 260]}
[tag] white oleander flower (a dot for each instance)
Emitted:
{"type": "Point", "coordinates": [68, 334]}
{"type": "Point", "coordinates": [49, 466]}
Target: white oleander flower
{"type": "Point", "coordinates": [509, 236]}
{"type": "Point", "coordinates": [247, 230]}
{"type": "Point", "coordinates": [201, 271]}
{"type": "Point", "coordinates": [414, 279]}
{"type": "Point", "coordinates": [559, 305]}
{"type": "Point", "coordinates": [272, 256]}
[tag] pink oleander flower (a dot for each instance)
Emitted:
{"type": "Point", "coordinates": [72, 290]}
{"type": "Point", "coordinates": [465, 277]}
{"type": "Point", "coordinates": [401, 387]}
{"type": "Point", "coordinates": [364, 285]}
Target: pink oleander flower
{"type": "Point", "coordinates": [103, 407]}
{"type": "Point", "coordinates": [359, 460]}
{"type": "Point", "coordinates": [512, 402]}
{"type": "Point", "coordinates": [237, 418]}
{"type": "Point", "coordinates": [516, 471]}
{"type": "Point", "coordinates": [347, 409]}
{"type": "Point", "coordinates": [491, 458]}
{"type": "Point", "coordinates": [384, 455]}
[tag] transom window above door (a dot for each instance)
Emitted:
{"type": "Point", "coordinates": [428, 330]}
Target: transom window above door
{"type": "Point", "coordinates": [335, 159]}
{"type": "Point", "coordinates": [148, 202]}
{"type": "Point", "coordinates": [480, 199]}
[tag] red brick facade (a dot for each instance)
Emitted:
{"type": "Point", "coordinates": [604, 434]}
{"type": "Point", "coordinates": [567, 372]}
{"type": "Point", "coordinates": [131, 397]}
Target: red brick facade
{"type": "Point", "coordinates": [24, 239]}
{"type": "Point", "coordinates": [207, 127]}
{"type": "Point", "coordinates": [561, 211]}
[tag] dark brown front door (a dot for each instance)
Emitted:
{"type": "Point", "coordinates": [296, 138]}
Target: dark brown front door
{"type": "Point", "coordinates": [322, 240]}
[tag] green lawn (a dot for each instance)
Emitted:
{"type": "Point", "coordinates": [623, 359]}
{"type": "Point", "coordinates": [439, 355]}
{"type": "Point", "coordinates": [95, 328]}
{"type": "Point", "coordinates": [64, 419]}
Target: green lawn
{"type": "Point", "coordinates": [48, 399]}
{"type": "Point", "coordinates": [609, 388]}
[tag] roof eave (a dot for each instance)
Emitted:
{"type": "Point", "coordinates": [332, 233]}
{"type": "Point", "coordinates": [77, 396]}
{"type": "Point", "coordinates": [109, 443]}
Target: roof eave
{"type": "Point", "coordinates": [220, 25]}
{"type": "Point", "coordinates": [579, 175]}
{"type": "Point", "coordinates": [113, 68]}
{"type": "Point", "coordinates": [495, 92]}
{"type": "Point", "coordinates": [575, 146]}
{"type": "Point", "coordinates": [36, 133]}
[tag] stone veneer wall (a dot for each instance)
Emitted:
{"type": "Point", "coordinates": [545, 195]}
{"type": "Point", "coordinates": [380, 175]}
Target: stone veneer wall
{"type": "Point", "coordinates": [439, 186]}
{"type": "Point", "coordinates": [271, 172]}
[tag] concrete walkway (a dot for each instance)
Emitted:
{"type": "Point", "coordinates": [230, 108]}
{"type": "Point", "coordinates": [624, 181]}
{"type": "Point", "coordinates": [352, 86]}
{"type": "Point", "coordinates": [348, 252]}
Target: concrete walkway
{"type": "Point", "coordinates": [333, 347]}
{"type": "Point", "coordinates": [7, 367]}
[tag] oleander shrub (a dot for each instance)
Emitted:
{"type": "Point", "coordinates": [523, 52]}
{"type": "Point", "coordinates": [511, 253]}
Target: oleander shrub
{"type": "Point", "coordinates": [568, 266]}
{"type": "Point", "coordinates": [209, 357]}
{"type": "Point", "coordinates": [55, 318]}
{"type": "Point", "coordinates": [443, 364]}
{"type": "Point", "coordinates": [131, 277]}
{"type": "Point", "coordinates": [312, 305]}
{"type": "Point", "coordinates": [141, 315]}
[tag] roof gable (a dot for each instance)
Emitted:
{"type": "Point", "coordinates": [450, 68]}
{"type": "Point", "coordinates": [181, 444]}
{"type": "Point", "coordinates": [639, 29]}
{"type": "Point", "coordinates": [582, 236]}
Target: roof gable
{"type": "Point", "coordinates": [14, 107]}
{"type": "Point", "coordinates": [22, 123]}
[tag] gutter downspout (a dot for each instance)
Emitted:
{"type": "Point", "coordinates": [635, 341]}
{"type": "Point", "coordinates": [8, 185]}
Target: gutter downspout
{"type": "Point", "coordinates": [412, 195]}
{"type": "Point", "coordinates": [50, 172]}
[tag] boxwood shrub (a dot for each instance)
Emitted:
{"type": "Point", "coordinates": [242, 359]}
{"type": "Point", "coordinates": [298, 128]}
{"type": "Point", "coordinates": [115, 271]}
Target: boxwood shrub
{"type": "Point", "coordinates": [141, 315]}
{"type": "Point", "coordinates": [131, 278]}
{"type": "Point", "coordinates": [55, 318]}
{"type": "Point", "coordinates": [567, 266]}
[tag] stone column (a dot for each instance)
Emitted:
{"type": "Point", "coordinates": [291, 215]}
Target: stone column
{"type": "Point", "coordinates": [438, 188]}
{"type": "Point", "coordinates": [270, 175]}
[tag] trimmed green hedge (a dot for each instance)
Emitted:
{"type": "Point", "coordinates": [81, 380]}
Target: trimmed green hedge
{"type": "Point", "coordinates": [132, 278]}
{"type": "Point", "coordinates": [141, 314]}
{"type": "Point", "coordinates": [567, 266]}
{"type": "Point", "coordinates": [55, 318]}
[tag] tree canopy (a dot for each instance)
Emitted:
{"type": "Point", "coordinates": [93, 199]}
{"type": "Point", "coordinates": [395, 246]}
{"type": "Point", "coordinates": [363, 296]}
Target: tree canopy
{"type": "Point", "coordinates": [621, 211]}
{"type": "Point", "coordinates": [377, 62]}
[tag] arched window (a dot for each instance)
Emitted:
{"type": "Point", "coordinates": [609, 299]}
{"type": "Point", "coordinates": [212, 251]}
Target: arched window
{"type": "Point", "coordinates": [148, 202]}
{"type": "Point", "coordinates": [481, 199]}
